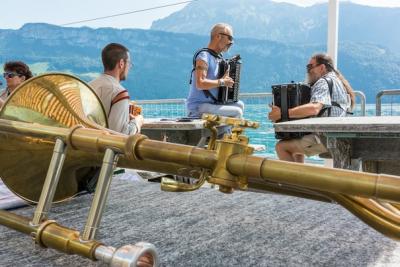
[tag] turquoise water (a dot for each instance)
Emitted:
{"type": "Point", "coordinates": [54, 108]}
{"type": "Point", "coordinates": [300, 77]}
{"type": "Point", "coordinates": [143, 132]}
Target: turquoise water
{"type": "Point", "coordinates": [256, 110]}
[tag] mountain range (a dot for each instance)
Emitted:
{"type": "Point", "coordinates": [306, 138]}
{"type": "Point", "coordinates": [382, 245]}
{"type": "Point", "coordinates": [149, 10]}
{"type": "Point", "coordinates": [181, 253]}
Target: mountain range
{"type": "Point", "coordinates": [163, 59]}
{"type": "Point", "coordinates": [284, 22]}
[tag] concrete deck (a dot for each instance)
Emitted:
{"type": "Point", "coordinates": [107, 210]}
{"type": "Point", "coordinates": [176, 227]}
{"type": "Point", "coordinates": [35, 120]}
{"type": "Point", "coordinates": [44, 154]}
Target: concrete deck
{"type": "Point", "coordinates": [208, 228]}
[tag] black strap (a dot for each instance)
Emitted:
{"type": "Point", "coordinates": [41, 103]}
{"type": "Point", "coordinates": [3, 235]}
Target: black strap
{"type": "Point", "coordinates": [284, 103]}
{"type": "Point", "coordinates": [330, 86]}
{"type": "Point", "coordinates": [205, 49]}
{"type": "Point", "coordinates": [334, 103]}
{"type": "Point", "coordinates": [214, 54]}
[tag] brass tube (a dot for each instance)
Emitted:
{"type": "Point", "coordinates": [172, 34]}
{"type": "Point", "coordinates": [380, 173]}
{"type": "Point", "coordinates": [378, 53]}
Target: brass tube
{"type": "Point", "coordinates": [16, 222]}
{"type": "Point", "coordinates": [262, 186]}
{"type": "Point", "coordinates": [386, 187]}
{"type": "Point", "coordinates": [93, 140]}
{"type": "Point", "coordinates": [370, 213]}
{"type": "Point", "coordinates": [34, 130]}
{"type": "Point", "coordinates": [50, 234]}
{"type": "Point", "coordinates": [180, 154]}
{"type": "Point", "coordinates": [66, 240]}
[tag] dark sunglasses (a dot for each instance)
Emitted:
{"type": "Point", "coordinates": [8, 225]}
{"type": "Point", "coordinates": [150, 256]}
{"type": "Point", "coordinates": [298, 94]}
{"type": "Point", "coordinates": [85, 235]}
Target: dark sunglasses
{"type": "Point", "coordinates": [10, 74]}
{"type": "Point", "coordinates": [311, 66]}
{"type": "Point", "coordinates": [230, 37]}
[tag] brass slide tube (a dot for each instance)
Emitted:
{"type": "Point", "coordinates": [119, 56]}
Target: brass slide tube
{"type": "Point", "coordinates": [51, 235]}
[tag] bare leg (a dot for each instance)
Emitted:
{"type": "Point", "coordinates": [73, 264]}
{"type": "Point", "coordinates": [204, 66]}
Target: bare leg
{"type": "Point", "coordinates": [288, 151]}
{"type": "Point", "coordinates": [298, 158]}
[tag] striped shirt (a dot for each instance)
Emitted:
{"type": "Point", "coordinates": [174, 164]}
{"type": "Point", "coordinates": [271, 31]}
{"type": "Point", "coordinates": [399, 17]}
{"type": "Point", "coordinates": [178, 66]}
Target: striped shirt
{"type": "Point", "coordinates": [320, 94]}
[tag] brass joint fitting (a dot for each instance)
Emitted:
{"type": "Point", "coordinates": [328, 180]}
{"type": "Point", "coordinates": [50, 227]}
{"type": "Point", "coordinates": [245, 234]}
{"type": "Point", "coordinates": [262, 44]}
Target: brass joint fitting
{"type": "Point", "coordinates": [131, 145]}
{"type": "Point", "coordinates": [221, 176]}
{"type": "Point", "coordinates": [52, 235]}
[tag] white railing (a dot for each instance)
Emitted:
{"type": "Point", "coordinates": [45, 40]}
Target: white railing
{"type": "Point", "coordinates": [390, 92]}
{"type": "Point", "coordinates": [170, 108]}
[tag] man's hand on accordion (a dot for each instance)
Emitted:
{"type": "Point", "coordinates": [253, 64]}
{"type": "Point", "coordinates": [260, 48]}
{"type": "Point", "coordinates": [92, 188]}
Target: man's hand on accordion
{"type": "Point", "coordinates": [275, 113]}
{"type": "Point", "coordinates": [228, 81]}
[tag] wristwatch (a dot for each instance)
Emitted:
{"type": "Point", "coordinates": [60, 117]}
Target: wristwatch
{"type": "Point", "coordinates": [221, 82]}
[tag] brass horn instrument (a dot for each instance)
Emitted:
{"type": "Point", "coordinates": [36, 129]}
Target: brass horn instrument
{"type": "Point", "coordinates": [54, 127]}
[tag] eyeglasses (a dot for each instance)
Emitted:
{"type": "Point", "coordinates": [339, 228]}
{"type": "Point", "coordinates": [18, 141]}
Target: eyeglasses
{"type": "Point", "coordinates": [230, 37]}
{"type": "Point", "coordinates": [129, 63]}
{"type": "Point", "coordinates": [10, 75]}
{"type": "Point", "coordinates": [311, 66]}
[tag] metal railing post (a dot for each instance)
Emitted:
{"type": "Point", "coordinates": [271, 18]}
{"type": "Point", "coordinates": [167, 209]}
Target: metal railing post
{"type": "Point", "coordinates": [362, 97]}
{"type": "Point", "coordinates": [379, 99]}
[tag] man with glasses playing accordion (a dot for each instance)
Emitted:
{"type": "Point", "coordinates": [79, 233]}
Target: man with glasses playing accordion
{"type": "Point", "coordinates": [212, 87]}
{"type": "Point", "coordinates": [331, 96]}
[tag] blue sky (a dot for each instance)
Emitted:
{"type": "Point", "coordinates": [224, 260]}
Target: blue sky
{"type": "Point", "coordinates": [16, 13]}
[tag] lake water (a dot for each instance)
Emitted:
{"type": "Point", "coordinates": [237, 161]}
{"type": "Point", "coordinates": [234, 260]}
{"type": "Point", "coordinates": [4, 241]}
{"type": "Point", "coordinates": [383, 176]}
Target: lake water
{"type": "Point", "coordinates": [257, 110]}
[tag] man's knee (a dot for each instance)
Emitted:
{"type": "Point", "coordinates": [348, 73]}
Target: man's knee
{"type": "Point", "coordinates": [287, 146]}
{"type": "Point", "coordinates": [280, 146]}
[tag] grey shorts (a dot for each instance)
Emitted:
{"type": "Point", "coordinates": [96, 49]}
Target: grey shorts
{"type": "Point", "coordinates": [310, 145]}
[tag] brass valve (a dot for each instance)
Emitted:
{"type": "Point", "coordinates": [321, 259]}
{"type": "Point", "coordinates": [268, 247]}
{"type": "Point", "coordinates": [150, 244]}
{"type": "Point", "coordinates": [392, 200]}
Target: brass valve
{"type": "Point", "coordinates": [238, 125]}
{"type": "Point", "coordinates": [233, 143]}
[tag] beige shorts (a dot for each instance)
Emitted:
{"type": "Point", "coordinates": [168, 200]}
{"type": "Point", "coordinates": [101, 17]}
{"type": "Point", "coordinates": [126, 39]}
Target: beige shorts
{"type": "Point", "coordinates": [310, 145]}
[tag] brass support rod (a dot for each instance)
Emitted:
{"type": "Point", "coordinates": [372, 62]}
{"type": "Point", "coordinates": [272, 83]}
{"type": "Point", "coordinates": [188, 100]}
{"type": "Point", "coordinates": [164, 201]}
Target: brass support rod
{"type": "Point", "coordinates": [100, 196]}
{"type": "Point", "coordinates": [51, 182]}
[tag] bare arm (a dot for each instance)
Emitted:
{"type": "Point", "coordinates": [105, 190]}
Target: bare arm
{"type": "Point", "coordinates": [203, 83]}
{"type": "Point", "coordinates": [306, 110]}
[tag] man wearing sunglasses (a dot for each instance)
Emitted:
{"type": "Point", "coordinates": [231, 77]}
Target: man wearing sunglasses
{"type": "Point", "coordinates": [205, 80]}
{"type": "Point", "coordinates": [114, 97]}
{"type": "Point", "coordinates": [15, 73]}
{"type": "Point", "coordinates": [331, 95]}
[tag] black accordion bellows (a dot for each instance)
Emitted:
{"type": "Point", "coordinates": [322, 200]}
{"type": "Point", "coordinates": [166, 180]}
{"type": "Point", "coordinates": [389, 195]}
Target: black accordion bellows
{"type": "Point", "coordinates": [288, 96]}
{"type": "Point", "coordinates": [226, 94]}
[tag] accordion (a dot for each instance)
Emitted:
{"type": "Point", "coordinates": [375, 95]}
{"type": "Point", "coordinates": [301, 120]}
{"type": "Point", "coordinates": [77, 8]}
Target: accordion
{"type": "Point", "coordinates": [288, 96]}
{"type": "Point", "coordinates": [226, 94]}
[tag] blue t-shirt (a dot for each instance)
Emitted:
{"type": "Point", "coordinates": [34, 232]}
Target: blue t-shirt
{"type": "Point", "coordinates": [197, 96]}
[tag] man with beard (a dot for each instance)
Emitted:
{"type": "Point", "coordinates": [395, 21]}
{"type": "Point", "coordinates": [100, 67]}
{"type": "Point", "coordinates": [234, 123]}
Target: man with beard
{"type": "Point", "coordinates": [205, 78]}
{"type": "Point", "coordinates": [114, 97]}
{"type": "Point", "coordinates": [331, 95]}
